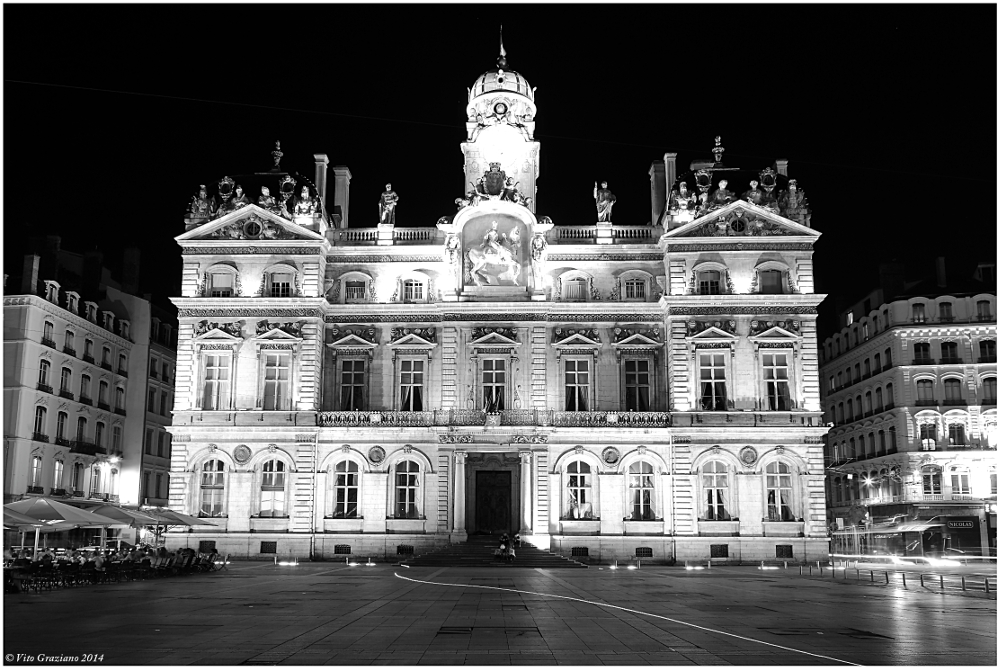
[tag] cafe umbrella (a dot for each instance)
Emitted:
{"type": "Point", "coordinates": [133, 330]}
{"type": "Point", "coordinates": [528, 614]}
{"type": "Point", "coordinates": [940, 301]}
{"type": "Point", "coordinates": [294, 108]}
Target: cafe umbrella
{"type": "Point", "coordinates": [52, 513]}
{"type": "Point", "coordinates": [125, 516]}
{"type": "Point", "coordinates": [168, 517]}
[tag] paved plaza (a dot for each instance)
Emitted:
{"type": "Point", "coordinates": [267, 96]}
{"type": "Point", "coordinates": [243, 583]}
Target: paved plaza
{"type": "Point", "coordinates": [329, 613]}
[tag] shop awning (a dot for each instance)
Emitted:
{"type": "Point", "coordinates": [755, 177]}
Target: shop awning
{"type": "Point", "coordinates": [916, 526]}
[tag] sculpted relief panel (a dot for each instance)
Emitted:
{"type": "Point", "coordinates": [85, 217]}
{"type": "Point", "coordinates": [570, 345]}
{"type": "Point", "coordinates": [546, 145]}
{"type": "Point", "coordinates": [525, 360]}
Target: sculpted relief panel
{"type": "Point", "coordinates": [496, 251]}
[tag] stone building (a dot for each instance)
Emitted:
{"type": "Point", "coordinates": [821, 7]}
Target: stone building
{"type": "Point", "coordinates": [609, 390]}
{"type": "Point", "coordinates": [909, 384]}
{"type": "Point", "coordinates": [76, 349]}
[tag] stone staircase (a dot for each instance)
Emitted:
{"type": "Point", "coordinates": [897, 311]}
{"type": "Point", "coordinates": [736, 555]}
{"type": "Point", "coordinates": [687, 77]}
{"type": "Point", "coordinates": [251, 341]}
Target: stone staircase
{"type": "Point", "coordinates": [478, 552]}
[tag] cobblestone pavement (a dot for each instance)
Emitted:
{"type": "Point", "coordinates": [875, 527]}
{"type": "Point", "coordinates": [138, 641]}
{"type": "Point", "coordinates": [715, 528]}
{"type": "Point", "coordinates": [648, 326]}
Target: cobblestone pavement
{"type": "Point", "coordinates": [328, 613]}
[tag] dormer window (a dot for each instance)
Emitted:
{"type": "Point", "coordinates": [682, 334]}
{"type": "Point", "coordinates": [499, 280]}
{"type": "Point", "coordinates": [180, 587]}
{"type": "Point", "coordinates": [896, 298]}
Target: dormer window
{"type": "Point", "coordinates": [52, 292]}
{"type": "Point", "coordinates": [124, 328]}
{"type": "Point", "coordinates": [91, 312]}
{"type": "Point", "coordinates": [154, 331]}
{"type": "Point", "coordinates": [109, 321]}
{"type": "Point", "coordinates": [166, 335]}
{"type": "Point", "coordinates": [72, 301]}
{"type": "Point", "coordinates": [280, 284]}
{"type": "Point", "coordinates": [919, 313]}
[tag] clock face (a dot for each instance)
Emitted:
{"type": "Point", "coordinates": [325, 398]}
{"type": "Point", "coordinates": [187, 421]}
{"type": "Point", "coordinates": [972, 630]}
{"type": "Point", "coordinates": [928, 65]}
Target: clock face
{"type": "Point", "coordinates": [500, 109]}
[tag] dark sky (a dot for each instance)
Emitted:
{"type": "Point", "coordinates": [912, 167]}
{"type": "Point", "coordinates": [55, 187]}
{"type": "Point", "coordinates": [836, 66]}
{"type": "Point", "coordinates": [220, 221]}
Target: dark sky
{"type": "Point", "coordinates": [887, 113]}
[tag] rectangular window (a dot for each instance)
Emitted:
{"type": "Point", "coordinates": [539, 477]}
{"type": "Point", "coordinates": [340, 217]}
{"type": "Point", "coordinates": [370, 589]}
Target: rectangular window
{"type": "Point", "coordinates": [144, 494]}
{"type": "Point", "coordinates": [770, 282]}
{"type": "Point", "coordinates": [355, 291]}
{"type": "Point", "coordinates": [36, 471]}
{"type": "Point", "coordinates": [932, 482]}
{"type": "Point", "coordinates": [576, 289]}
{"type": "Point", "coordinates": [281, 285]}
{"type": "Point", "coordinates": [637, 385]}
{"type": "Point", "coordinates": [99, 434]}
{"type": "Point", "coordinates": [919, 314]}
{"type": "Point", "coordinates": [928, 436]}
{"type": "Point", "coordinates": [152, 368]}
{"type": "Point", "coordinates": [944, 311]}
{"type": "Point", "coordinates": [635, 289]}
{"type": "Point", "coordinates": [411, 385]}
{"type": "Point", "coordinates": [983, 311]}
{"type": "Point", "coordinates": [708, 282]}
{"type": "Point", "coordinates": [413, 291]}
{"type": "Point", "coordinates": [269, 547]}
{"type": "Point", "coordinates": [151, 401]}
{"type": "Point", "coordinates": [346, 486]}
{"type": "Point", "coordinates": [712, 377]}
{"type": "Point", "coordinates": [116, 438]}
{"type": "Point", "coordinates": [157, 491]}
{"type": "Point", "coordinates": [216, 390]}
{"type": "Point", "coordinates": [949, 352]}
{"type": "Point", "coordinates": [577, 385]}
{"type": "Point", "coordinates": [494, 384]}
{"type": "Point", "coordinates": [277, 381]}
{"type": "Point", "coordinates": [160, 439]}
{"type": "Point", "coordinates": [960, 484]}
{"type": "Point", "coordinates": [719, 550]}
{"type": "Point", "coordinates": [164, 403]}
{"type": "Point", "coordinates": [783, 552]}
{"type": "Point", "coordinates": [406, 489]}
{"type": "Point", "coordinates": [352, 385]}
{"type": "Point", "coordinates": [956, 434]}
{"type": "Point", "coordinates": [88, 349]}
{"type": "Point", "coordinates": [715, 481]}
{"type": "Point", "coordinates": [149, 440]}
{"type": "Point", "coordinates": [57, 474]}
{"type": "Point", "coordinates": [222, 286]}
{"type": "Point", "coordinates": [776, 380]}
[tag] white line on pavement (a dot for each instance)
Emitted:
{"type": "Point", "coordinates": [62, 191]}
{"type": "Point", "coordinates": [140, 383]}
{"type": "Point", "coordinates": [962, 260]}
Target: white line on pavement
{"type": "Point", "coordinates": [641, 613]}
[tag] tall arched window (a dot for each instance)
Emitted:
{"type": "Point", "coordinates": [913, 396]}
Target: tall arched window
{"type": "Point", "coordinates": [931, 480]}
{"type": "Point", "coordinates": [81, 428]}
{"type": "Point", "coordinates": [95, 480]}
{"type": "Point", "coordinates": [878, 399]}
{"type": "Point", "coordinates": [40, 419]}
{"type": "Point", "coordinates": [213, 488]}
{"type": "Point", "coordinates": [62, 420]}
{"type": "Point", "coordinates": [640, 484]}
{"type": "Point", "coordinates": [57, 474]}
{"type": "Point", "coordinates": [44, 367]}
{"type": "Point", "coordinates": [36, 472]}
{"type": "Point", "coordinates": [272, 489]}
{"type": "Point", "coordinates": [77, 480]}
{"type": "Point", "coordinates": [66, 380]}
{"type": "Point", "coordinates": [715, 485]}
{"type": "Point", "coordinates": [779, 492]}
{"type": "Point", "coordinates": [346, 490]}
{"type": "Point", "coordinates": [578, 488]}
{"type": "Point", "coordinates": [928, 436]}
{"type": "Point", "coordinates": [407, 483]}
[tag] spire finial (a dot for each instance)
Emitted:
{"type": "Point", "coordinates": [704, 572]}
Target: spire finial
{"type": "Point", "coordinates": [502, 60]}
{"type": "Point", "coordinates": [718, 149]}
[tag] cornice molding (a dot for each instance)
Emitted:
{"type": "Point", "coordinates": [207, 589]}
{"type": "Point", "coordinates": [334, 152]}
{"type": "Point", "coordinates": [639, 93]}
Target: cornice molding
{"type": "Point", "coordinates": [76, 320]}
{"type": "Point", "coordinates": [250, 250]}
{"type": "Point", "coordinates": [675, 247]}
{"type": "Point", "coordinates": [383, 258]}
{"type": "Point", "coordinates": [740, 310]}
{"type": "Point", "coordinates": [601, 257]}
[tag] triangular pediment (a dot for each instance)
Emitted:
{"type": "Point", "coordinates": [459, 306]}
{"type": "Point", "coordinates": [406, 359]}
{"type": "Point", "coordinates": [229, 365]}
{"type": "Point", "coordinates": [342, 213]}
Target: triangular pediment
{"type": "Point", "coordinates": [213, 333]}
{"type": "Point", "coordinates": [276, 334]}
{"type": "Point", "coordinates": [351, 341]}
{"type": "Point", "coordinates": [412, 341]}
{"type": "Point", "coordinates": [578, 340]}
{"type": "Point", "coordinates": [249, 223]}
{"type": "Point", "coordinates": [775, 334]}
{"type": "Point", "coordinates": [494, 339]}
{"type": "Point", "coordinates": [712, 333]}
{"type": "Point", "coordinates": [638, 339]}
{"type": "Point", "coordinates": [753, 221]}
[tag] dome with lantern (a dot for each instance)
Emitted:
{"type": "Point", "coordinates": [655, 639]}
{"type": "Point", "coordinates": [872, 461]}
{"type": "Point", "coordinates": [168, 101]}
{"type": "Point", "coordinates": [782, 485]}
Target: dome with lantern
{"type": "Point", "coordinates": [503, 86]}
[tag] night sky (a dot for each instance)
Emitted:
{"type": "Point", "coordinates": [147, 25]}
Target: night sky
{"type": "Point", "coordinates": [887, 114]}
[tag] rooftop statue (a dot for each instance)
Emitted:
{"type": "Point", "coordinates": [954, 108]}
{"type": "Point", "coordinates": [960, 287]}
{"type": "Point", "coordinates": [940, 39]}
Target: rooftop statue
{"type": "Point", "coordinates": [793, 204]}
{"type": "Point", "coordinates": [202, 206]}
{"type": "Point", "coordinates": [239, 199]}
{"type": "Point", "coordinates": [605, 201]}
{"type": "Point", "coordinates": [681, 199]}
{"type": "Point", "coordinates": [721, 197]}
{"type": "Point", "coordinates": [754, 195]}
{"type": "Point", "coordinates": [306, 205]}
{"type": "Point", "coordinates": [511, 193]}
{"type": "Point", "coordinates": [265, 201]}
{"type": "Point", "coordinates": [387, 206]}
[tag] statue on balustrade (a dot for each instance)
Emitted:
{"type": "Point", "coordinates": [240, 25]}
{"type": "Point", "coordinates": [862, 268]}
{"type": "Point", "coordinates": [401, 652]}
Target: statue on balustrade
{"type": "Point", "coordinates": [240, 199]}
{"type": "Point", "coordinates": [202, 206]}
{"type": "Point", "coordinates": [387, 206]}
{"type": "Point", "coordinates": [265, 201]}
{"type": "Point", "coordinates": [510, 192]}
{"type": "Point", "coordinates": [681, 199]}
{"type": "Point", "coordinates": [793, 204]}
{"type": "Point", "coordinates": [754, 195]}
{"type": "Point", "coordinates": [605, 201]}
{"type": "Point", "coordinates": [721, 197]}
{"type": "Point", "coordinates": [305, 205]}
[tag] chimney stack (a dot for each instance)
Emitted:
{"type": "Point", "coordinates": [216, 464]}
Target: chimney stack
{"type": "Point", "coordinates": [29, 275]}
{"type": "Point", "coordinates": [321, 162]}
{"type": "Point", "coordinates": [130, 270]}
{"type": "Point", "coordinates": [942, 279]}
{"type": "Point", "coordinates": [341, 193]}
{"type": "Point", "coordinates": [93, 272]}
{"type": "Point", "coordinates": [657, 190]}
{"type": "Point", "coordinates": [891, 279]}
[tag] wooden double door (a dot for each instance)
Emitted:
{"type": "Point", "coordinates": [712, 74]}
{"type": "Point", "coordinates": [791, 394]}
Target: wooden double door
{"type": "Point", "coordinates": [494, 502]}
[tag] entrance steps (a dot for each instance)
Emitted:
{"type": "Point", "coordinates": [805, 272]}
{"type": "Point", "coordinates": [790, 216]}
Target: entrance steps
{"type": "Point", "coordinates": [478, 552]}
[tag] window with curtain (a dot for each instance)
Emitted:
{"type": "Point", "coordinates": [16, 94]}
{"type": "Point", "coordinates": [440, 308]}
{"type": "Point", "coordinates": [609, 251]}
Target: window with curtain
{"type": "Point", "coordinates": [983, 311]}
{"type": "Point", "coordinates": [81, 428]}
{"type": "Point", "coordinates": [99, 434]}
{"type": "Point", "coordinates": [120, 398]}
{"type": "Point", "coordinates": [66, 380]}
{"type": "Point", "coordinates": [57, 474]}
{"type": "Point", "coordinates": [960, 481]}
{"type": "Point", "coordinates": [62, 420]}
{"type": "Point", "coordinates": [77, 478]}
{"type": "Point", "coordinates": [712, 373]}
{"type": "Point", "coordinates": [715, 488]}
{"type": "Point", "coordinates": [213, 488]}
{"type": "Point", "coordinates": [921, 352]}
{"type": "Point", "coordinates": [352, 385]}
{"type": "Point", "coordinates": [407, 483]}
{"type": "Point", "coordinates": [411, 385]}
{"type": "Point", "coordinates": [990, 390]}
{"type": "Point", "coordinates": [770, 282]}
{"type": "Point", "coordinates": [277, 381]}
{"type": "Point", "coordinates": [931, 477]}
{"type": "Point", "coordinates": [36, 471]}
{"type": "Point", "coordinates": [640, 487]}
{"type": "Point", "coordinates": [919, 313]}
{"type": "Point", "coordinates": [413, 290]}
{"type": "Point", "coordinates": [40, 419]}
{"type": "Point", "coordinates": [85, 388]}
{"type": "Point", "coordinates": [925, 391]}
{"type": "Point", "coordinates": [952, 391]}
{"type": "Point", "coordinates": [494, 372]}
{"type": "Point", "coordinates": [578, 489]}
{"type": "Point", "coordinates": [776, 381]}
{"type": "Point", "coordinates": [216, 391]}
{"type": "Point", "coordinates": [928, 436]}
{"type": "Point", "coordinates": [709, 282]}
{"type": "Point", "coordinates": [102, 393]}
{"type": "Point", "coordinates": [956, 434]}
{"type": "Point", "coordinates": [116, 438]}
{"type": "Point", "coordinates": [345, 486]}
{"type": "Point", "coordinates": [272, 489]}
{"type": "Point", "coordinates": [44, 367]}
{"type": "Point", "coordinates": [779, 492]}
{"type": "Point", "coordinates": [577, 385]}
{"type": "Point", "coordinates": [95, 480]}
{"type": "Point", "coordinates": [637, 385]}
{"type": "Point", "coordinates": [220, 284]}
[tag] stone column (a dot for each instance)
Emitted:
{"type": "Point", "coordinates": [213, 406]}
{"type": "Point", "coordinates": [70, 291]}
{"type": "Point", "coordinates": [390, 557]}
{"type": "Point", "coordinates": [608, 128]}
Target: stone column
{"type": "Point", "coordinates": [460, 491]}
{"type": "Point", "coordinates": [525, 491]}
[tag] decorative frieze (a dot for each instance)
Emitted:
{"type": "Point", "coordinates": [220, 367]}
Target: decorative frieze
{"type": "Point", "coordinates": [366, 259]}
{"type": "Point", "coordinates": [757, 327]}
{"type": "Point", "coordinates": [604, 257]}
{"type": "Point", "coordinates": [741, 246]}
{"type": "Point", "coordinates": [293, 328]}
{"type": "Point", "coordinates": [741, 310]}
{"type": "Point", "coordinates": [455, 438]}
{"type": "Point", "coordinates": [250, 250]}
{"type": "Point", "coordinates": [249, 312]}
{"type": "Point", "coordinates": [232, 329]}
{"type": "Point", "coordinates": [695, 327]}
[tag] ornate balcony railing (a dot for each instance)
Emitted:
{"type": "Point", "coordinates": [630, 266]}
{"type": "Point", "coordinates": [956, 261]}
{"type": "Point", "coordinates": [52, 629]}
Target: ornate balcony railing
{"type": "Point", "coordinates": [48, 342]}
{"type": "Point", "coordinates": [610, 419]}
{"type": "Point", "coordinates": [66, 392]}
{"type": "Point", "coordinates": [103, 405]}
{"type": "Point", "coordinates": [382, 418]}
{"type": "Point", "coordinates": [63, 441]}
{"type": "Point", "coordinates": [69, 350]}
{"type": "Point", "coordinates": [45, 388]}
{"type": "Point", "coordinates": [414, 235]}
{"type": "Point", "coordinates": [86, 400]}
{"type": "Point", "coordinates": [39, 436]}
{"type": "Point", "coordinates": [87, 447]}
{"type": "Point", "coordinates": [88, 358]}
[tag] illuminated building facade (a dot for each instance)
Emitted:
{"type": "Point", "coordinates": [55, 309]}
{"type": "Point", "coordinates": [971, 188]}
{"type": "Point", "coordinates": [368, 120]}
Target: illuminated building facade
{"type": "Point", "coordinates": [610, 390]}
{"type": "Point", "coordinates": [909, 384]}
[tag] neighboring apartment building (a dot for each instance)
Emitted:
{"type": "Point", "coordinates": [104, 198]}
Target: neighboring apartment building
{"type": "Point", "coordinates": [75, 357]}
{"type": "Point", "coordinates": [155, 481]}
{"type": "Point", "coordinates": [909, 385]}
{"type": "Point", "coordinates": [610, 390]}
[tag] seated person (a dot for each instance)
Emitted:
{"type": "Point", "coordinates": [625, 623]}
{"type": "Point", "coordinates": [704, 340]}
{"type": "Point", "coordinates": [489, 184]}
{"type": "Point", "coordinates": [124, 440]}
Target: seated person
{"type": "Point", "coordinates": [510, 554]}
{"type": "Point", "coordinates": [501, 551]}
{"type": "Point", "coordinates": [517, 539]}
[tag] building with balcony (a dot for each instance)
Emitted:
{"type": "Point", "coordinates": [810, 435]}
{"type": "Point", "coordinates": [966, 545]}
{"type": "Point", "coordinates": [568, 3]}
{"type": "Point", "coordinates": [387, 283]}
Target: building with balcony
{"type": "Point", "coordinates": [909, 385]}
{"type": "Point", "coordinates": [616, 390]}
{"type": "Point", "coordinates": [155, 478]}
{"type": "Point", "coordinates": [75, 351]}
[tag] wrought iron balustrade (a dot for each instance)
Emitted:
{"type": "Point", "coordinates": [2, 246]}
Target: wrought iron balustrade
{"type": "Point", "coordinates": [39, 436]}
{"type": "Point", "coordinates": [69, 350]}
{"type": "Point", "coordinates": [87, 447]}
{"type": "Point", "coordinates": [48, 342]}
{"type": "Point", "coordinates": [610, 419]}
{"type": "Point", "coordinates": [44, 388]}
{"type": "Point", "coordinates": [386, 418]}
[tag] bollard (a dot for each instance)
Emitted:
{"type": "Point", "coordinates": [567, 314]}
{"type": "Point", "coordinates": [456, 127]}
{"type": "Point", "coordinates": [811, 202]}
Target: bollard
{"type": "Point", "coordinates": [800, 570]}
{"type": "Point", "coordinates": [942, 581]}
{"type": "Point", "coordinates": [904, 579]}
{"type": "Point", "coordinates": [857, 573]}
{"type": "Point", "coordinates": [963, 583]}
{"type": "Point", "coordinates": [685, 564]}
{"type": "Point", "coordinates": [987, 584]}
{"type": "Point", "coordinates": [871, 575]}
{"type": "Point", "coordinates": [921, 580]}
{"type": "Point", "coordinates": [810, 570]}
{"type": "Point", "coordinates": [886, 578]}
{"type": "Point", "coordinates": [638, 563]}
{"type": "Point", "coordinates": [709, 563]}
{"type": "Point", "coordinates": [786, 564]}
